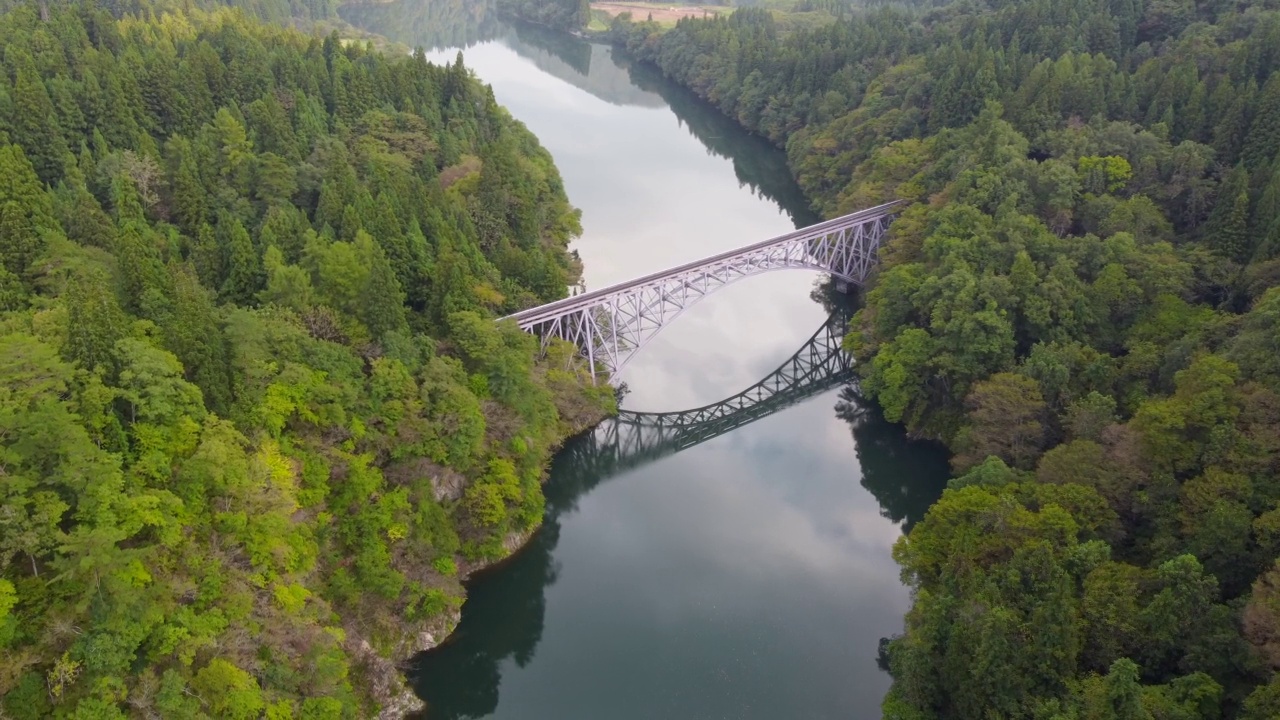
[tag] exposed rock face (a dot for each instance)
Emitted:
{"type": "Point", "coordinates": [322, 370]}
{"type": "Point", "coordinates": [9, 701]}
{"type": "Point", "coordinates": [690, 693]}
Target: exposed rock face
{"type": "Point", "coordinates": [447, 484]}
{"type": "Point", "coordinates": [386, 679]}
{"type": "Point", "coordinates": [386, 684]}
{"type": "Point", "coordinates": [426, 636]}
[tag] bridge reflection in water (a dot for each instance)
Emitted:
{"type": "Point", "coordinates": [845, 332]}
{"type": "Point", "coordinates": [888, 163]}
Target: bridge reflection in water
{"type": "Point", "coordinates": [633, 439]}
{"type": "Point", "coordinates": [503, 619]}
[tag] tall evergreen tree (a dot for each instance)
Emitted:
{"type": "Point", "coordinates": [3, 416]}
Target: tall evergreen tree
{"type": "Point", "coordinates": [190, 199]}
{"type": "Point", "coordinates": [1262, 144]}
{"type": "Point", "coordinates": [383, 300]}
{"type": "Point", "coordinates": [146, 282]}
{"type": "Point", "coordinates": [80, 212]}
{"type": "Point", "coordinates": [1227, 230]}
{"type": "Point", "coordinates": [1231, 128]}
{"type": "Point", "coordinates": [94, 321]}
{"type": "Point", "coordinates": [1231, 238]}
{"type": "Point", "coordinates": [245, 275]}
{"type": "Point", "coordinates": [1267, 211]}
{"type": "Point", "coordinates": [193, 332]}
{"type": "Point", "coordinates": [13, 296]}
{"type": "Point", "coordinates": [206, 257]}
{"type": "Point", "coordinates": [20, 243]}
{"type": "Point", "coordinates": [35, 123]}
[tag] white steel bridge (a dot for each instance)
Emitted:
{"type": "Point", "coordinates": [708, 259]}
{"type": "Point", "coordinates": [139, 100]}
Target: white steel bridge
{"type": "Point", "coordinates": [611, 324]}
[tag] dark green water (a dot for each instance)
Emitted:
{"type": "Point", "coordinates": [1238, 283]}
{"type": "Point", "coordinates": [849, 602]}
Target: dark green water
{"type": "Point", "coordinates": [748, 576]}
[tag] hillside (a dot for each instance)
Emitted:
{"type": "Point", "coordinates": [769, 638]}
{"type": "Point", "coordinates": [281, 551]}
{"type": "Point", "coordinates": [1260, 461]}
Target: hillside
{"type": "Point", "coordinates": [1081, 302]}
{"type": "Point", "coordinates": [255, 414]}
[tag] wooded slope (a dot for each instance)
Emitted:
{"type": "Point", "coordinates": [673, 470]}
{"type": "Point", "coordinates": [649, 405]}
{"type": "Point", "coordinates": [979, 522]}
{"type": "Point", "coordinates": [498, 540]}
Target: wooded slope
{"type": "Point", "coordinates": [1082, 304]}
{"type": "Point", "coordinates": [254, 409]}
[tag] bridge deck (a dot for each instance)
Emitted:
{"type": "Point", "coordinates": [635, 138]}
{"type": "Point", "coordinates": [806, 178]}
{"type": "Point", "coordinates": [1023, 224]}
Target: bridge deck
{"type": "Point", "coordinates": [588, 299]}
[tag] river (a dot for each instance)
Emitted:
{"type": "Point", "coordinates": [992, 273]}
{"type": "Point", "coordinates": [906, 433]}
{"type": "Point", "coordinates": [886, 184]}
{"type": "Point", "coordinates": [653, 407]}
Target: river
{"type": "Point", "coordinates": [749, 575]}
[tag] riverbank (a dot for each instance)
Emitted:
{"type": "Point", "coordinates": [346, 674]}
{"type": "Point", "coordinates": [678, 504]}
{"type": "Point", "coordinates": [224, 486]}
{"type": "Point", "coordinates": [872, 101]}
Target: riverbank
{"type": "Point", "coordinates": [272, 411]}
{"type": "Point", "coordinates": [384, 669]}
{"type": "Point", "coordinates": [622, 539]}
{"type": "Point", "coordinates": [1078, 305]}
{"type": "Point", "coordinates": [990, 326]}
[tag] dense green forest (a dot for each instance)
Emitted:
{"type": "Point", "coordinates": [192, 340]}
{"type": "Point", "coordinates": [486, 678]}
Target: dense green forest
{"type": "Point", "coordinates": [1082, 302]}
{"type": "Point", "coordinates": [255, 415]}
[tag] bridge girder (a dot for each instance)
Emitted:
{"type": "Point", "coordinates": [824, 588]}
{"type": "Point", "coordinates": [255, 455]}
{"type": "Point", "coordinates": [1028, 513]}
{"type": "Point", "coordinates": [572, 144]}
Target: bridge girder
{"type": "Point", "coordinates": [609, 326]}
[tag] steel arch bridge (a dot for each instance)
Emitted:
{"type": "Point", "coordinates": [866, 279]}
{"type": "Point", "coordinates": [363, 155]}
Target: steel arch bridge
{"type": "Point", "coordinates": [611, 324]}
{"type": "Point", "coordinates": [633, 439]}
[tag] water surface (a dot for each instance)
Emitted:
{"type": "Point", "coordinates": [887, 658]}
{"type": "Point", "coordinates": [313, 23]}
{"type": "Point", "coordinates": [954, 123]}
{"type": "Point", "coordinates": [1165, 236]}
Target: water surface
{"type": "Point", "coordinates": [747, 576]}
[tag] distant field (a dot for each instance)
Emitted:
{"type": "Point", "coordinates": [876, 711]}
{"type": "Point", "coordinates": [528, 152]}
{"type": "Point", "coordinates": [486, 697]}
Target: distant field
{"type": "Point", "coordinates": [666, 14]}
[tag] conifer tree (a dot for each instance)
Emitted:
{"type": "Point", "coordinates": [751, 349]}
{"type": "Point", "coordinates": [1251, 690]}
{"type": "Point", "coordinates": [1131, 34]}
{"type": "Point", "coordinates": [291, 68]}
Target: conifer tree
{"type": "Point", "coordinates": [206, 257]}
{"type": "Point", "coordinates": [383, 300]}
{"type": "Point", "coordinates": [79, 212]}
{"type": "Point", "coordinates": [35, 123]}
{"type": "Point", "coordinates": [243, 263]}
{"type": "Point", "coordinates": [1267, 212]}
{"type": "Point", "coordinates": [146, 282]}
{"type": "Point", "coordinates": [1232, 238]}
{"type": "Point", "coordinates": [190, 206]}
{"type": "Point", "coordinates": [1227, 230]}
{"type": "Point", "coordinates": [193, 332]}
{"type": "Point", "coordinates": [94, 321]}
{"type": "Point", "coordinates": [121, 105]}
{"type": "Point", "coordinates": [1262, 144]}
{"type": "Point", "coordinates": [20, 243]}
{"type": "Point", "coordinates": [13, 296]}
{"type": "Point", "coordinates": [235, 150]}
{"type": "Point", "coordinates": [350, 224]}
{"type": "Point", "coordinates": [284, 227]}
{"type": "Point", "coordinates": [70, 117]}
{"type": "Point", "coordinates": [1230, 131]}
{"type": "Point", "coordinates": [330, 207]}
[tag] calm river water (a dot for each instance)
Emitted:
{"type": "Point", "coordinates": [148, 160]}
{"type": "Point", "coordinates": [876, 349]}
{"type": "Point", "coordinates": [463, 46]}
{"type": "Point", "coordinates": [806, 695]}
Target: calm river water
{"type": "Point", "coordinates": [746, 577]}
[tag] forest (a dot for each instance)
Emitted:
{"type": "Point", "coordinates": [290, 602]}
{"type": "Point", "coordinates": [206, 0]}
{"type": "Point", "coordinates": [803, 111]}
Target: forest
{"type": "Point", "coordinates": [1082, 301]}
{"type": "Point", "coordinates": [256, 418]}
{"type": "Point", "coordinates": [568, 15]}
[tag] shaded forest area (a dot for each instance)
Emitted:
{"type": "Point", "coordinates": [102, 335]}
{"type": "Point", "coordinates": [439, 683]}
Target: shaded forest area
{"type": "Point", "coordinates": [1081, 302]}
{"type": "Point", "coordinates": [255, 413]}
{"type": "Point", "coordinates": [569, 15]}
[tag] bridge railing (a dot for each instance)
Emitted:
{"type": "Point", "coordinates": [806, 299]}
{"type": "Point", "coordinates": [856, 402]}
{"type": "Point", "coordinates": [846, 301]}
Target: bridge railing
{"type": "Point", "coordinates": [592, 298]}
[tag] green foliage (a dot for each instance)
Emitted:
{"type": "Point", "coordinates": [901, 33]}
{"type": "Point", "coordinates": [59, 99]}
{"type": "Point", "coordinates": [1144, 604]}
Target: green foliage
{"type": "Point", "coordinates": [227, 404]}
{"type": "Point", "coordinates": [1082, 302]}
{"type": "Point", "coordinates": [1104, 174]}
{"type": "Point", "coordinates": [8, 623]}
{"type": "Point", "coordinates": [228, 691]}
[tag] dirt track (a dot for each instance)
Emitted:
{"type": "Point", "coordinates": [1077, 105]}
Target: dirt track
{"type": "Point", "coordinates": [661, 13]}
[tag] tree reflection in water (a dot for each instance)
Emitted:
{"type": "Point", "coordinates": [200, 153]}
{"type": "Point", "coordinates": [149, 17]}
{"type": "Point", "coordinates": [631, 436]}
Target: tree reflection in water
{"type": "Point", "coordinates": [504, 616]}
{"type": "Point", "coordinates": [502, 621]}
{"type": "Point", "coordinates": [905, 476]}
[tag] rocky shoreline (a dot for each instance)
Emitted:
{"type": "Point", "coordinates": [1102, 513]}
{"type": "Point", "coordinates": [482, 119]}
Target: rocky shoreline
{"type": "Point", "coordinates": [389, 686]}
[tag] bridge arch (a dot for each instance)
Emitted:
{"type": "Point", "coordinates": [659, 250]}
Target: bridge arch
{"type": "Point", "coordinates": [612, 324]}
{"type": "Point", "coordinates": [632, 439]}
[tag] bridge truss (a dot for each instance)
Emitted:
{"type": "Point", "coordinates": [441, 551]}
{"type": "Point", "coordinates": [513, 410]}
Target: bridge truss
{"type": "Point", "coordinates": [611, 324]}
{"type": "Point", "coordinates": [633, 439]}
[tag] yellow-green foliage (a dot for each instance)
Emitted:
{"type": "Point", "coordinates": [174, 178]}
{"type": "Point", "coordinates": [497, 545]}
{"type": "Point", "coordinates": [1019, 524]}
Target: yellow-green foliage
{"type": "Point", "coordinates": [244, 333]}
